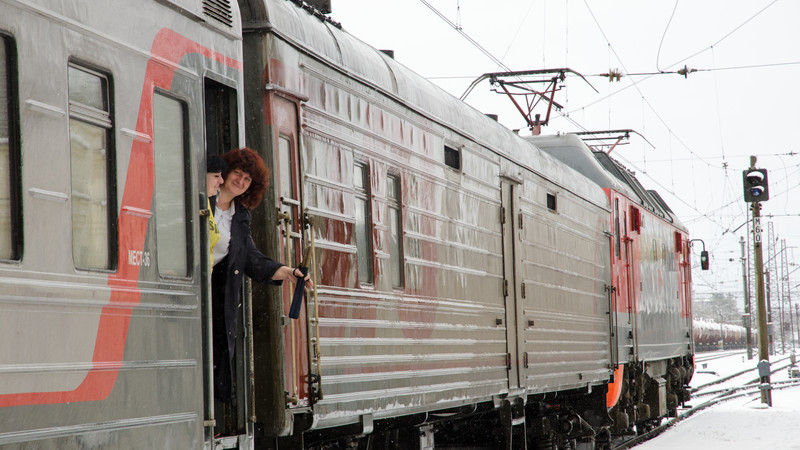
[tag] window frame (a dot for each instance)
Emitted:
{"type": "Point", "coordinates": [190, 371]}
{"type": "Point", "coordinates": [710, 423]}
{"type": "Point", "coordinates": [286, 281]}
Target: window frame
{"type": "Point", "coordinates": [188, 195]}
{"type": "Point", "coordinates": [551, 201]}
{"type": "Point", "coordinates": [396, 203]}
{"type": "Point", "coordinates": [453, 151]}
{"type": "Point", "coordinates": [636, 219]}
{"type": "Point", "coordinates": [617, 231]}
{"type": "Point", "coordinates": [363, 194]}
{"type": "Point", "coordinates": [11, 88]}
{"type": "Point", "coordinates": [220, 92]}
{"type": "Point", "coordinates": [91, 116]}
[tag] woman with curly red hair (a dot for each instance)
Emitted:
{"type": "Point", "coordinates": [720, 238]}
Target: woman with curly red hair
{"type": "Point", "coordinates": [235, 254]}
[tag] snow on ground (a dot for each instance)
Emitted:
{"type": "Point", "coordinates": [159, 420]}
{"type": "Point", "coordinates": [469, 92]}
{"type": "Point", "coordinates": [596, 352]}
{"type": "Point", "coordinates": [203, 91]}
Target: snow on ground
{"type": "Point", "coordinates": [741, 423]}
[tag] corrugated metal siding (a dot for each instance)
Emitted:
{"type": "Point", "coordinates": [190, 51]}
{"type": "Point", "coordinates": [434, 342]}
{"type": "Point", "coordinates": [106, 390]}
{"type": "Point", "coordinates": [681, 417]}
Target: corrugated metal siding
{"type": "Point", "coordinates": [564, 261]}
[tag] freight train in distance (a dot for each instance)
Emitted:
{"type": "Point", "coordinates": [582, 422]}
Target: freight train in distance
{"type": "Point", "coordinates": [710, 335]}
{"type": "Point", "coordinates": [473, 288]}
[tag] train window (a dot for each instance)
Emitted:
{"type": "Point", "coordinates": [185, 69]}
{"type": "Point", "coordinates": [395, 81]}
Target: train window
{"type": "Point", "coordinates": [221, 117]}
{"type": "Point", "coordinates": [616, 227]}
{"type": "Point", "coordinates": [395, 230]}
{"type": "Point", "coordinates": [363, 224]}
{"type": "Point", "coordinates": [452, 157]}
{"type": "Point", "coordinates": [91, 169]}
{"type": "Point", "coordinates": [10, 204]}
{"type": "Point", "coordinates": [636, 219]}
{"type": "Point", "coordinates": [551, 201]}
{"type": "Point", "coordinates": [172, 234]}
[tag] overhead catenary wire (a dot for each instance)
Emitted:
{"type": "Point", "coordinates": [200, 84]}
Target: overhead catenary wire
{"type": "Point", "coordinates": [634, 84]}
{"type": "Point", "coordinates": [664, 35]}
{"type": "Point", "coordinates": [685, 71]}
{"type": "Point", "coordinates": [719, 114]}
{"type": "Point", "coordinates": [567, 115]}
{"type": "Point", "coordinates": [458, 28]}
{"type": "Point", "coordinates": [487, 53]}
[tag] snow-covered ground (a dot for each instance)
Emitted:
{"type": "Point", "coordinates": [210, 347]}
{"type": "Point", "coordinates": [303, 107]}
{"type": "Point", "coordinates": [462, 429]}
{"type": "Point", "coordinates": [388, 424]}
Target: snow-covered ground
{"type": "Point", "coordinates": [740, 423]}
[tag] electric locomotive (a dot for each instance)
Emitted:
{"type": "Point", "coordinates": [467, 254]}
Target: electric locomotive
{"type": "Point", "coordinates": [652, 301]}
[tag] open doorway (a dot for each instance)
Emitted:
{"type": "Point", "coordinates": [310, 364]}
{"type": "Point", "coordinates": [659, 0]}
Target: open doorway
{"type": "Point", "coordinates": [225, 374]}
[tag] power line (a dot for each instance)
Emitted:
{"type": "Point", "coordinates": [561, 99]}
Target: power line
{"type": "Point", "coordinates": [759, 155]}
{"type": "Point", "coordinates": [727, 35]}
{"type": "Point", "coordinates": [488, 54]}
{"type": "Point", "coordinates": [634, 84]}
{"type": "Point", "coordinates": [466, 36]}
{"type": "Point", "coordinates": [658, 55]}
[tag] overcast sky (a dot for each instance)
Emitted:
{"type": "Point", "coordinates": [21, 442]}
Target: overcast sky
{"type": "Point", "coordinates": [743, 100]}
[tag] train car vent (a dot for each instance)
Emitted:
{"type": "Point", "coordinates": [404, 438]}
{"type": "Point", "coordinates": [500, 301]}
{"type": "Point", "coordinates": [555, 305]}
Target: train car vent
{"type": "Point", "coordinates": [219, 10]}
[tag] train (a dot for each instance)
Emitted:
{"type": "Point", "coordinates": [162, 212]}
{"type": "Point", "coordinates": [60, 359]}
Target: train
{"type": "Point", "coordinates": [710, 335]}
{"type": "Point", "coordinates": [472, 287]}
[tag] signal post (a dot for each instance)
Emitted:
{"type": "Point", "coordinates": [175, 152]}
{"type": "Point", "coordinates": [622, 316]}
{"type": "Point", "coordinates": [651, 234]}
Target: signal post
{"type": "Point", "coordinates": [756, 190]}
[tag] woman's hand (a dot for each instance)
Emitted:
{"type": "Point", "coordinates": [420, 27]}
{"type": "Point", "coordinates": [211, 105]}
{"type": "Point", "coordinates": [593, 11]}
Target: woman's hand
{"type": "Point", "coordinates": [292, 274]}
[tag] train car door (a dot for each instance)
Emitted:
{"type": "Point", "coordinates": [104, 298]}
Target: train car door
{"type": "Point", "coordinates": [291, 228]}
{"type": "Point", "coordinates": [686, 268]}
{"type": "Point", "coordinates": [509, 211]}
{"type": "Point", "coordinates": [632, 258]}
{"type": "Point", "coordinates": [624, 295]}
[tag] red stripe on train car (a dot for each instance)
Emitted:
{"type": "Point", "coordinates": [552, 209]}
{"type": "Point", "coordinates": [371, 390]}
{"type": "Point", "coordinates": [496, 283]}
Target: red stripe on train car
{"type": "Point", "coordinates": [168, 49]}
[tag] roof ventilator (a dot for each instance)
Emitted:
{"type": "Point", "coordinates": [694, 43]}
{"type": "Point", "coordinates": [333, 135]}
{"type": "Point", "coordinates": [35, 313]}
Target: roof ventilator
{"type": "Point", "coordinates": [219, 10]}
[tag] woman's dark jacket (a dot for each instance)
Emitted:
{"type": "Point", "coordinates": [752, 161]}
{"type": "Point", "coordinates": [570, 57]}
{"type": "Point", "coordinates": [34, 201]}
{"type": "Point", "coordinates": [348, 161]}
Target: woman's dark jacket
{"type": "Point", "coordinates": [243, 258]}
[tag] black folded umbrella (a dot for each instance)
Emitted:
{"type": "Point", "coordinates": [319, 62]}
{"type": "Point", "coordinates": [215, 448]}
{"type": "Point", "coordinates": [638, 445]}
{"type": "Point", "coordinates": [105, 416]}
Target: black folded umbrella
{"type": "Point", "coordinates": [299, 290]}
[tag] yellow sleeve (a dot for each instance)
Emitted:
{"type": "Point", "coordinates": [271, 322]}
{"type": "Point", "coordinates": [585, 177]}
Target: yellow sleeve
{"type": "Point", "coordinates": [213, 234]}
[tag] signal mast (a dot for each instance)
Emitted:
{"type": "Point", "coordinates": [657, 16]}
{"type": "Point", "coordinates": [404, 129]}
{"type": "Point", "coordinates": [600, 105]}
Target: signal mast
{"type": "Point", "coordinates": [756, 190]}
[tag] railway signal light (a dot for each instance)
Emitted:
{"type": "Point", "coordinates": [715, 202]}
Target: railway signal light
{"type": "Point", "coordinates": [755, 185]}
{"type": "Point", "coordinates": [704, 260]}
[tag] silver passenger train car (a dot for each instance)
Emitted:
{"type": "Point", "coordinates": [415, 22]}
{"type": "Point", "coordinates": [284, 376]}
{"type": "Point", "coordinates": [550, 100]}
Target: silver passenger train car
{"type": "Point", "coordinates": [105, 110]}
{"type": "Point", "coordinates": [463, 277]}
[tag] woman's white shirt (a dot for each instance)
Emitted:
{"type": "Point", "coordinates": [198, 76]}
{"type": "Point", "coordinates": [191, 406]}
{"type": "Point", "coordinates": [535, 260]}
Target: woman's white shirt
{"type": "Point", "coordinates": [223, 219]}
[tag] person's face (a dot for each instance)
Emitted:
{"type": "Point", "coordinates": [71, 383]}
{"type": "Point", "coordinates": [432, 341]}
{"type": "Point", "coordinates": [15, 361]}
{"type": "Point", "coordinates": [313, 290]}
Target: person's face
{"type": "Point", "coordinates": [237, 182]}
{"type": "Point", "coordinates": [213, 181]}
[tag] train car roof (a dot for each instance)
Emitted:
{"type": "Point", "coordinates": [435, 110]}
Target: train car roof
{"type": "Point", "coordinates": [571, 149]}
{"type": "Point", "coordinates": [651, 200]}
{"type": "Point", "coordinates": [606, 172]}
{"type": "Point", "coordinates": [324, 39]}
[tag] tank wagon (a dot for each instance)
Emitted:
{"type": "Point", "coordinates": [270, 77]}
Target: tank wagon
{"type": "Point", "coordinates": [470, 288]}
{"type": "Point", "coordinates": [710, 335]}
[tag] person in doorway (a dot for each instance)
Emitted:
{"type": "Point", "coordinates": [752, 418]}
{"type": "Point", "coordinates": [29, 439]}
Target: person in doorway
{"type": "Point", "coordinates": [235, 255]}
{"type": "Point", "coordinates": [215, 166]}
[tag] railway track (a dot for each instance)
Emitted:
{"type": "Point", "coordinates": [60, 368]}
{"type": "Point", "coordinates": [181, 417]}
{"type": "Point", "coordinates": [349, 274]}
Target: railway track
{"type": "Point", "coordinates": [703, 389]}
{"type": "Point", "coordinates": [706, 357]}
{"type": "Point", "coordinates": [749, 387]}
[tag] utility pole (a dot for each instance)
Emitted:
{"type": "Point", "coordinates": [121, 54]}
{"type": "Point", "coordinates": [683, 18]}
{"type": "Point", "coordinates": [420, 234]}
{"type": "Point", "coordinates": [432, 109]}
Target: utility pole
{"type": "Point", "coordinates": [768, 301]}
{"type": "Point", "coordinates": [747, 316]}
{"type": "Point", "coordinates": [763, 338]}
{"type": "Point", "coordinates": [756, 191]}
{"type": "Point", "coordinates": [774, 290]}
{"type": "Point", "coordinates": [786, 291]}
{"type": "Point", "coordinates": [797, 315]}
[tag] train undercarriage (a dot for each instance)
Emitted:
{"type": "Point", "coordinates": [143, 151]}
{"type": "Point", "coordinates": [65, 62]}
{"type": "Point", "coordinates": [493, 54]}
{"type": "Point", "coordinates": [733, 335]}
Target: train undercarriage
{"type": "Point", "coordinates": [576, 419]}
{"type": "Point", "coordinates": [650, 392]}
